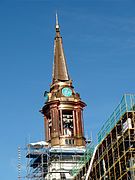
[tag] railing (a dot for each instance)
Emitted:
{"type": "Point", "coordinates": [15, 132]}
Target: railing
{"type": "Point", "coordinates": [127, 104]}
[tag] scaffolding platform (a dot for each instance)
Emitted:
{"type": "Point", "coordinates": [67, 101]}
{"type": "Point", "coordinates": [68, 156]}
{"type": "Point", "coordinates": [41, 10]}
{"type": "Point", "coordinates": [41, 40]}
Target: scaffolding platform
{"type": "Point", "coordinates": [45, 162]}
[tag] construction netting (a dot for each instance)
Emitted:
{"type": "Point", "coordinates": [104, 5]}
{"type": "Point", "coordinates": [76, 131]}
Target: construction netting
{"type": "Point", "coordinates": [127, 104]}
{"type": "Point", "coordinates": [83, 160]}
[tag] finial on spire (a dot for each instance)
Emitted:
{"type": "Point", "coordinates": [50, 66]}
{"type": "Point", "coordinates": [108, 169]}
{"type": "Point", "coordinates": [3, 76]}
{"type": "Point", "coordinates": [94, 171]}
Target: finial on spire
{"type": "Point", "coordinates": [60, 70]}
{"type": "Point", "coordinates": [57, 23]}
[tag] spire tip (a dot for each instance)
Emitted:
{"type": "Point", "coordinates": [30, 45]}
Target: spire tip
{"type": "Point", "coordinates": [57, 23]}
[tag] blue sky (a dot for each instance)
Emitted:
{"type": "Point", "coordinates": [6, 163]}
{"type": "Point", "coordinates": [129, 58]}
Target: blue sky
{"type": "Point", "coordinates": [99, 43]}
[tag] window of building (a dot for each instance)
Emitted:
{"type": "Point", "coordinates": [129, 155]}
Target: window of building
{"type": "Point", "coordinates": [67, 117]}
{"type": "Point", "coordinates": [69, 141]}
{"type": "Point", "coordinates": [66, 141]}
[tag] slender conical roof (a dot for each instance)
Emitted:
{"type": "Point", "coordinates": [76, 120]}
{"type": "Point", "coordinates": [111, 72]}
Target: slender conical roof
{"type": "Point", "coordinates": [60, 71]}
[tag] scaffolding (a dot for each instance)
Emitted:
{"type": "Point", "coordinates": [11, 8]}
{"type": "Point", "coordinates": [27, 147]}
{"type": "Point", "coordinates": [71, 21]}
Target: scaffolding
{"type": "Point", "coordinates": [37, 162]}
{"type": "Point", "coordinates": [114, 158]}
{"type": "Point", "coordinates": [49, 162]}
{"type": "Point", "coordinates": [83, 160]}
{"type": "Point", "coordinates": [127, 104]}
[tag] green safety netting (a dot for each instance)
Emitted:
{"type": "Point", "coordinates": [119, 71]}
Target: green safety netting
{"type": "Point", "coordinates": [127, 104]}
{"type": "Point", "coordinates": [83, 160]}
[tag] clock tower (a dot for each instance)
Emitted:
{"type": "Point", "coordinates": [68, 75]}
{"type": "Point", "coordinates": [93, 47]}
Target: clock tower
{"type": "Point", "coordinates": [63, 108]}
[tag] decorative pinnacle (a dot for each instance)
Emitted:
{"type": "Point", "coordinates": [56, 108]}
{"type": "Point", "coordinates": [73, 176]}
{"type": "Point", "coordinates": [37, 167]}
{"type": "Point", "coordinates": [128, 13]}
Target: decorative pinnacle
{"type": "Point", "coordinates": [57, 23]}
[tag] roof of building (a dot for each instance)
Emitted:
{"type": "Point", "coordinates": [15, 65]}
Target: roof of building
{"type": "Point", "coordinates": [60, 70]}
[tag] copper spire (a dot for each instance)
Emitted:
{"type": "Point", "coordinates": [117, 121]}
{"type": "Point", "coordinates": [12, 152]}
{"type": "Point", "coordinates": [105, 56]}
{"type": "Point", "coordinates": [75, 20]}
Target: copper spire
{"type": "Point", "coordinates": [60, 71]}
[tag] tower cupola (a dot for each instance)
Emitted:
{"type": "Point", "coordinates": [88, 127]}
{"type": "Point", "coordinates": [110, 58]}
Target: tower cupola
{"type": "Point", "coordinates": [63, 109]}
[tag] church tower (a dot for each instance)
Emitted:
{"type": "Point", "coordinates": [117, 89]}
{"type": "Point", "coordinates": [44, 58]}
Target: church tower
{"type": "Point", "coordinates": [63, 109]}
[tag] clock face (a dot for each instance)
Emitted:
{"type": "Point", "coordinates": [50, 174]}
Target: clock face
{"type": "Point", "coordinates": [66, 91]}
